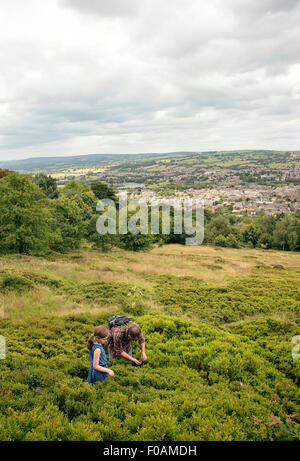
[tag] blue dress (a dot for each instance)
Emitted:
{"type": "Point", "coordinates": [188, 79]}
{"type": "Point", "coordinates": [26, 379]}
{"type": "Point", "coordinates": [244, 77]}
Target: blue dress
{"type": "Point", "coordinates": [95, 375]}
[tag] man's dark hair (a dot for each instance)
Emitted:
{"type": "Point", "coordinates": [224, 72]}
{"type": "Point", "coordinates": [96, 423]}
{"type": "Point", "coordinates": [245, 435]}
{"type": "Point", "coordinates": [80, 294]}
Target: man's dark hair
{"type": "Point", "coordinates": [134, 331]}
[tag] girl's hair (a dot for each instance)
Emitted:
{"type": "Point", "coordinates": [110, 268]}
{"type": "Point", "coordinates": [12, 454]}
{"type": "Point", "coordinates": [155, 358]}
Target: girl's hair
{"type": "Point", "coordinates": [100, 332]}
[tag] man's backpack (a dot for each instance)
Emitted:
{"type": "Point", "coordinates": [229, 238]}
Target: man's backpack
{"type": "Point", "coordinates": [118, 320]}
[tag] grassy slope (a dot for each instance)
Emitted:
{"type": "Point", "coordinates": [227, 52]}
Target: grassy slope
{"type": "Point", "coordinates": [189, 281]}
{"type": "Point", "coordinates": [226, 360]}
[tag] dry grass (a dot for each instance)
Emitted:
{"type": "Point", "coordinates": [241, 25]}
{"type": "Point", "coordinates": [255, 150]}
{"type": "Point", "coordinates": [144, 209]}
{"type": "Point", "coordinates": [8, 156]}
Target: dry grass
{"type": "Point", "coordinates": [217, 266]}
{"type": "Point", "coordinates": [203, 262]}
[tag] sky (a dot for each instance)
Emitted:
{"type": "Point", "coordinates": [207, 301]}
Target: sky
{"type": "Point", "coordinates": [131, 76]}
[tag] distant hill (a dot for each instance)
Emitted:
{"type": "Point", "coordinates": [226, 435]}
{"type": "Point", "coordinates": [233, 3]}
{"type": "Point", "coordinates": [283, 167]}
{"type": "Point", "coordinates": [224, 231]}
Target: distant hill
{"type": "Point", "coordinates": [181, 159]}
{"type": "Point", "coordinates": [46, 163]}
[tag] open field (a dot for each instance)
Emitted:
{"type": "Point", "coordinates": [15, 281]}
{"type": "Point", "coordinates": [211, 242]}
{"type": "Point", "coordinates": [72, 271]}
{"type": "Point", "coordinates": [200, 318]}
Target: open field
{"type": "Point", "coordinates": [56, 284]}
{"type": "Point", "coordinates": [218, 324]}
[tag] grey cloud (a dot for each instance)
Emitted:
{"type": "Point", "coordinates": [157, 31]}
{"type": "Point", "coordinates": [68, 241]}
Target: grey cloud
{"type": "Point", "coordinates": [174, 73]}
{"type": "Point", "coordinates": [110, 8]}
{"type": "Point", "coordinates": [266, 6]}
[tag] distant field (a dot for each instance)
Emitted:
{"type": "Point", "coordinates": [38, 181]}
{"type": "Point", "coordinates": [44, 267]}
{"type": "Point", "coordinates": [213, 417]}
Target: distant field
{"type": "Point", "coordinates": [218, 324]}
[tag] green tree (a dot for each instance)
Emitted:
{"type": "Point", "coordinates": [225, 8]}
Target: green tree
{"type": "Point", "coordinates": [293, 241]}
{"type": "Point", "coordinates": [105, 242]}
{"type": "Point", "coordinates": [231, 241]}
{"type": "Point", "coordinates": [267, 223]}
{"type": "Point", "coordinates": [26, 222]}
{"type": "Point", "coordinates": [286, 235]}
{"type": "Point", "coordinates": [251, 233]}
{"type": "Point", "coordinates": [218, 225]}
{"type": "Point", "coordinates": [47, 183]}
{"type": "Point", "coordinates": [138, 242]}
{"type": "Point", "coordinates": [83, 196]}
{"type": "Point", "coordinates": [70, 222]}
{"type": "Point", "coordinates": [265, 241]}
{"type": "Point", "coordinates": [103, 190]}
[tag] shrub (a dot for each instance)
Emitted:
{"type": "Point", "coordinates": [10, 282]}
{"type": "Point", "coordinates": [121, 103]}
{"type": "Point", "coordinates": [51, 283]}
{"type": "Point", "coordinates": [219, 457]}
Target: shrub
{"type": "Point", "coordinates": [200, 383]}
{"type": "Point", "coordinates": [220, 241]}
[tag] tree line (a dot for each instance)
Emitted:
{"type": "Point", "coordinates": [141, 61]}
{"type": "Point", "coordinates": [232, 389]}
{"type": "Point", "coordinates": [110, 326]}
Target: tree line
{"type": "Point", "coordinates": [36, 218]}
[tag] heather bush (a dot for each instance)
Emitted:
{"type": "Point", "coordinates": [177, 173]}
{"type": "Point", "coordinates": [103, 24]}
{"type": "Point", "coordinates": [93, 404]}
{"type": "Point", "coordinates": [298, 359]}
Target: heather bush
{"type": "Point", "coordinates": [200, 383]}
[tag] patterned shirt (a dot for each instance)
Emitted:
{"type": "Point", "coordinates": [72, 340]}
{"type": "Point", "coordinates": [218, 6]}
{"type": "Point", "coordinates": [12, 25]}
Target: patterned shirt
{"type": "Point", "coordinates": [119, 342]}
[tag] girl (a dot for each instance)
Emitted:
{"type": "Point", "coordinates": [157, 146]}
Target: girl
{"type": "Point", "coordinates": [98, 368]}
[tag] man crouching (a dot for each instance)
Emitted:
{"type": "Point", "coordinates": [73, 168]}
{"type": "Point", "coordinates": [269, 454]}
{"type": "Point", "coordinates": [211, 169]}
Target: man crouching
{"type": "Point", "coordinates": [120, 339]}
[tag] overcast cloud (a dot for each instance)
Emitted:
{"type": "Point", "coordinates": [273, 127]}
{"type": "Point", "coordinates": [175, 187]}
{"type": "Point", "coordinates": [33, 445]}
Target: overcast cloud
{"type": "Point", "coordinates": [129, 76]}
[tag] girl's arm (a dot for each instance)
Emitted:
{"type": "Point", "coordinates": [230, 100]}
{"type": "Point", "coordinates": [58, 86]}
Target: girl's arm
{"type": "Point", "coordinates": [96, 365]}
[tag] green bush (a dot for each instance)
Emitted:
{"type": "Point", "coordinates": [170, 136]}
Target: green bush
{"type": "Point", "coordinates": [200, 383]}
{"type": "Point", "coordinates": [237, 300]}
{"type": "Point", "coordinates": [220, 241]}
{"type": "Point", "coordinates": [13, 282]}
